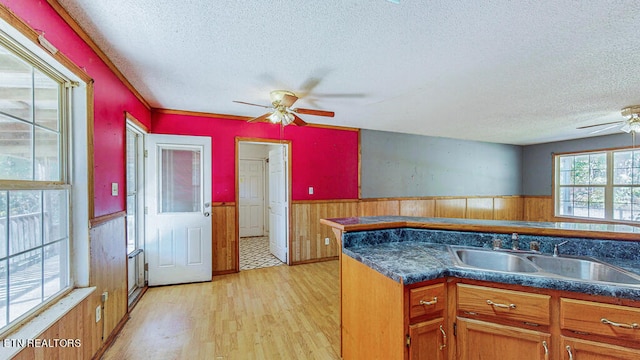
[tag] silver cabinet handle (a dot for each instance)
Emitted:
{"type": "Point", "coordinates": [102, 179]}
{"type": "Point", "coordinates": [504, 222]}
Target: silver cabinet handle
{"type": "Point", "coordinates": [432, 302]}
{"type": "Point", "coordinates": [632, 326]}
{"type": "Point", "coordinates": [444, 338]}
{"type": "Point", "coordinates": [510, 306]}
{"type": "Point", "coordinates": [569, 351]}
{"type": "Point", "coordinates": [206, 214]}
{"type": "Point", "coordinates": [546, 350]}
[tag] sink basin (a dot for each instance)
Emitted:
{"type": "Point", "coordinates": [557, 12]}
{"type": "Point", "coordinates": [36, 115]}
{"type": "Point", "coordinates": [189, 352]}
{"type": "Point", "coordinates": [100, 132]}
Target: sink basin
{"type": "Point", "coordinates": [491, 260]}
{"type": "Point", "coordinates": [583, 269]}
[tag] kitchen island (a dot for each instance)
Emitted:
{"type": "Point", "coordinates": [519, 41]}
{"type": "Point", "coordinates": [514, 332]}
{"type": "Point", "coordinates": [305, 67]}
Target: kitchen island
{"type": "Point", "coordinates": [404, 292]}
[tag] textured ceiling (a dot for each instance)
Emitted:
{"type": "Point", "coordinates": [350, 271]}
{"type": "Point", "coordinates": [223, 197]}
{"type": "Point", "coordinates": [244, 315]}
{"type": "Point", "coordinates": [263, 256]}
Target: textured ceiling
{"type": "Point", "coordinates": [515, 72]}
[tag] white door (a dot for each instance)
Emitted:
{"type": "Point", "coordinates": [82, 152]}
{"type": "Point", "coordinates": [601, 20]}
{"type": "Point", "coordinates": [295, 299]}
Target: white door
{"type": "Point", "coordinates": [178, 208]}
{"type": "Point", "coordinates": [251, 188]}
{"type": "Point", "coordinates": [279, 203]}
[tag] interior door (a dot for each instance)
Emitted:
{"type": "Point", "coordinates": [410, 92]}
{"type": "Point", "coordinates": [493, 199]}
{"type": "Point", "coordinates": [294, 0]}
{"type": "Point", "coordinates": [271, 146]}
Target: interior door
{"type": "Point", "coordinates": [178, 208]}
{"type": "Point", "coordinates": [251, 196]}
{"type": "Point", "coordinates": [279, 203]}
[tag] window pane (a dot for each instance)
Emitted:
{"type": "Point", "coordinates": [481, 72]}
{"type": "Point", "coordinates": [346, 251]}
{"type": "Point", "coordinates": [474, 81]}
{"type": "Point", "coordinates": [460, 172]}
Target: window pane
{"type": "Point", "coordinates": [581, 168]}
{"type": "Point", "coordinates": [132, 146]}
{"type": "Point", "coordinates": [16, 81]}
{"type": "Point", "coordinates": [3, 292]}
{"type": "Point", "coordinates": [24, 220]}
{"type": "Point", "coordinates": [15, 150]}
{"type": "Point", "coordinates": [47, 155]}
{"type": "Point", "coordinates": [131, 223]}
{"type": "Point", "coordinates": [46, 92]}
{"type": "Point", "coordinates": [566, 201]}
{"type": "Point", "coordinates": [55, 268]}
{"type": "Point", "coordinates": [596, 203]}
{"type": "Point", "coordinates": [25, 287]}
{"type": "Point", "coordinates": [566, 177]}
{"type": "Point", "coordinates": [4, 224]}
{"type": "Point", "coordinates": [180, 176]}
{"type": "Point", "coordinates": [566, 163]}
{"type": "Point", "coordinates": [55, 215]}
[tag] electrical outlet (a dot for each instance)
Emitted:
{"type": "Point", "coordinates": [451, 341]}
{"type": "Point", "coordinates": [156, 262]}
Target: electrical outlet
{"type": "Point", "coordinates": [326, 241]}
{"type": "Point", "coordinates": [114, 189]}
{"type": "Point", "coordinates": [310, 190]}
{"type": "Point", "coordinates": [98, 313]}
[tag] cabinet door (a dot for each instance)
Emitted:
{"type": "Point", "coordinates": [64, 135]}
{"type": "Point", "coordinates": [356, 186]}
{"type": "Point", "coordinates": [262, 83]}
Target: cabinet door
{"type": "Point", "coordinates": [576, 349]}
{"type": "Point", "coordinates": [428, 340]}
{"type": "Point", "coordinates": [478, 340]}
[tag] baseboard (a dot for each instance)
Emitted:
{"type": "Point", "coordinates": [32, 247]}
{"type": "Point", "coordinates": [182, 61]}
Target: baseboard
{"type": "Point", "coordinates": [111, 337]}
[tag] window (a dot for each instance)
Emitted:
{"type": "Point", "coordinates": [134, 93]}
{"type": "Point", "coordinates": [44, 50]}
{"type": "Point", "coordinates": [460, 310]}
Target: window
{"type": "Point", "coordinates": [599, 185]}
{"type": "Point", "coordinates": [34, 184]}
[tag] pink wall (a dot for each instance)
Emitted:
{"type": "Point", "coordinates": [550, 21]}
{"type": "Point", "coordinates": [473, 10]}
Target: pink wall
{"type": "Point", "coordinates": [112, 99]}
{"type": "Point", "coordinates": [326, 159]}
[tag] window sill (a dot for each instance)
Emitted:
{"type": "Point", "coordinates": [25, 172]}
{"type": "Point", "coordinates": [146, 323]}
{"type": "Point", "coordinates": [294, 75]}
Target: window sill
{"type": "Point", "coordinates": [39, 324]}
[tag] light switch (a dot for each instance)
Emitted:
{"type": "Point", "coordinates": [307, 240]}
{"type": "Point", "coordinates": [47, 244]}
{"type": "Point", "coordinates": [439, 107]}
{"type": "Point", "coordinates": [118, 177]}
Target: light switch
{"type": "Point", "coordinates": [310, 190]}
{"type": "Point", "coordinates": [114, 189]}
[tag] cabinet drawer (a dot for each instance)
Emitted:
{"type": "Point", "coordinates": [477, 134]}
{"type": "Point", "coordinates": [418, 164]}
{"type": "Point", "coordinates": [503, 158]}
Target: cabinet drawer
{"type": "Point", "coordinates": [503, 304]}
{"type": "Point", "coordinates": [601, 319]}
{"type": "Point", "coordinates": [427, 300]}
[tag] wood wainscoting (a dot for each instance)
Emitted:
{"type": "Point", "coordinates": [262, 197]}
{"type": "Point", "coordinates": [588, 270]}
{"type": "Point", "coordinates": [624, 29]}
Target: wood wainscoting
{"type": "Point", "coordinates": [224, 243]}
{"type": "Point", "coordinates": [308, 235]}
{"type": "Point", "coordinates": [538, 208]}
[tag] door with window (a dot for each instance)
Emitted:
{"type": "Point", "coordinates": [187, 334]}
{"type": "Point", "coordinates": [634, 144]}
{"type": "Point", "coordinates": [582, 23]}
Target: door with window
{"type": "Point", "coordinates": [135, 210]}
{"type": "Point", "coordinates": [178, 196]}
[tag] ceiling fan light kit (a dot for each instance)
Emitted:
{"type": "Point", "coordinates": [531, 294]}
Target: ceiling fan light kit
{"type": "Point", "coordinates": [631, 125]}
{"type": "Point", "coordinates": [283, 113]}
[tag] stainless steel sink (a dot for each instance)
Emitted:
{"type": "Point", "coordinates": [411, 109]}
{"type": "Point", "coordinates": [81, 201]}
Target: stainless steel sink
{"type": "Point", "coordinates": [565, 267]}
{"type": "Point", "coordinates": [491, 260]}
{"type": "Point", "coordinates": [577, 268]}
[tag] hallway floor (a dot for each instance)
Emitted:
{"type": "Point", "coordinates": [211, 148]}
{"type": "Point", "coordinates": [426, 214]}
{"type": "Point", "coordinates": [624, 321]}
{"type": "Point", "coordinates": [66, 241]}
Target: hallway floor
{"type": "Point", "coordinates": [255, 254]}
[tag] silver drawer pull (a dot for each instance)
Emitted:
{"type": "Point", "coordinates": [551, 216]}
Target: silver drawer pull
{"type": "Point", "coordinates": [546, 350]}
{"type": "Point", "coordinates": [510, 306]}
{"type": "Point", "coordinates": [568, 348]}
{"type": "Point", "coordinates": [624, 326]}
{"type": "Point", "coordinates": [432, 302]}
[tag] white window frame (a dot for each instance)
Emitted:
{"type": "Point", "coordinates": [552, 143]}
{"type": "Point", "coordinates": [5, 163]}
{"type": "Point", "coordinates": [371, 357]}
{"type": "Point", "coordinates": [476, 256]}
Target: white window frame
{"type": "Point", "coordinates": [76, 163]}
{"type": "Point", "coordinates": [608, 187]}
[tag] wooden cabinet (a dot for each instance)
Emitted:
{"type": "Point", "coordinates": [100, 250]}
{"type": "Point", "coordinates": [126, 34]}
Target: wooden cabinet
{"type": "Point", "coordinates": [479, 340]}
{"type": "Point", "coordinates": [578, 349]}
{"type": "Point", "coordinates": [596, 322]}
{"type": "Point", "coordinates": [502, 324]}
{"type": "Point", "coordinates": [427, 339]}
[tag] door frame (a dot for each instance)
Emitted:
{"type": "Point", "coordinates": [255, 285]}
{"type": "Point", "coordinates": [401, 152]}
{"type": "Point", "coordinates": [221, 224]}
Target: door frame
{"type": "Point", "coordinates": [286, 143]}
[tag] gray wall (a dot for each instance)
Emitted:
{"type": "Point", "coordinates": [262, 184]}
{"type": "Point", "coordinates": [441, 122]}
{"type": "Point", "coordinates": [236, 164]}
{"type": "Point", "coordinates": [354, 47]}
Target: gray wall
{"type": "Point", "coordinates": [537, 160]}
{"type": "Point", "coordinates": [403, 165]}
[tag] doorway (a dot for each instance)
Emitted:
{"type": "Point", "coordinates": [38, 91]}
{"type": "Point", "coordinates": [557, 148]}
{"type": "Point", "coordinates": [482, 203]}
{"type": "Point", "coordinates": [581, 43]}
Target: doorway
{"type": "Point", "coordinates": [263, 193]}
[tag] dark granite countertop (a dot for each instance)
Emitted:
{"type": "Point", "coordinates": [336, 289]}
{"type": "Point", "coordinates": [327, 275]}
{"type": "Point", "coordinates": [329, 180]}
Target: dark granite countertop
{"type": "Point", "coordinates": [411, 262]}
{"type": "Point", "coordinates": [399, 249]}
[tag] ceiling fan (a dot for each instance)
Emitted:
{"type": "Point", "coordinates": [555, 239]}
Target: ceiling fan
{"type": "Point", "coordinates": [631, 125]}
{"type": "Point", "coordinates": [282, 112]}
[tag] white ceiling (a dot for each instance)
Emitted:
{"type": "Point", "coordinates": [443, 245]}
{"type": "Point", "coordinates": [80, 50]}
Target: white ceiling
{"type": "Point", "coordinates": [515, 72]}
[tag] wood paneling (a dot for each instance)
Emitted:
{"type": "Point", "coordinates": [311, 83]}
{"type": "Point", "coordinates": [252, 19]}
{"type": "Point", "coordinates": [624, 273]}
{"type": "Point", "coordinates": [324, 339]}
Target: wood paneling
{"type": "Point", "coordinates": [451, 208]}
{"type": "Point", "coordinates": [382, 207]}
{"type": "Point", "coordinates": [538, 208]}
{"type": "Point", "coordinates": [508, 208]}
{"type": "Point", "coordinates": [76, 324]}
{"type": "Point", "coordinates": [419, 207]}
{"type": "Point", "coordinates": [479, 208]}
{"type": "Point", "coordinates": [224, 241]}
{"type": "Point", "coordinates": [308, 235]}
{"type": "Point", "coordinates": [108, 273]}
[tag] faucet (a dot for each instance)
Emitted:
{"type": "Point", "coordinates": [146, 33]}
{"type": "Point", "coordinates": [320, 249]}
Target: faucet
{"type": "Point", "coordinates": [555, 248]}
{"type": "Point", "coordinates": [515, 243]}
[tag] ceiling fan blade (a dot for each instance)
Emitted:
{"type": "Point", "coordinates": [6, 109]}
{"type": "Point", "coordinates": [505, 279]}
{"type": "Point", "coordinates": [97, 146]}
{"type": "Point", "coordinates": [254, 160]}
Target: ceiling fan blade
{"type": "Point", "coordinates": [314, 112]}
{"type": "Point", "coordinates": [604, 129]}
{"type": "Point", "coordinates": [259, 118]}
{"type": "Point", "coordinates": [288, 100]}
{"type": "Point", "coordinates": [609, 123]}
{"type": "Point", "coordinates": [298, 121]}
{"type": "Point", "coordinates": [246, 103]}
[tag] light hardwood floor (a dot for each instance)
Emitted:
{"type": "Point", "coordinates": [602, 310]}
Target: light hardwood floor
{"type": "Point", "coordinates": [282, 312]}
